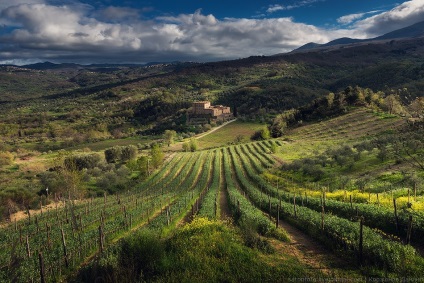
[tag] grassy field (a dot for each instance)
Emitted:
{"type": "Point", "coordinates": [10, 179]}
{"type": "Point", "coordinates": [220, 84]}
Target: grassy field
{"type": "Point", "coordinates": [362, 177]}
{"type": "Point", "coordinates": [354, 126]}
{"type": "Point", "coordinates": [358, 125]}
{"type": "Point", "coordinates": [228, 134]}
{"type": "Point", "coordinates": [102, 145]}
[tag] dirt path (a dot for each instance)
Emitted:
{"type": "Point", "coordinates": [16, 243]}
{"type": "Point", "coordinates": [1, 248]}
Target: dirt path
{"type": "Point", "coordinates": [306, 249]}
{"type": "Point", "coordinates": [17, 216]}
{"type": "Point", "coordinates": [224, 208]}
{"type": "Point", "coordinates": [311, 252]}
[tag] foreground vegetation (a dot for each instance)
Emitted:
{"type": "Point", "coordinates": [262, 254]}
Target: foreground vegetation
{"type": "Point", "coordinates": [203, 250]}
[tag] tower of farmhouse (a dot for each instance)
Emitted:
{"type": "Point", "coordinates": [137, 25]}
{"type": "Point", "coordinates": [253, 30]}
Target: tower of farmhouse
{"type": "Point", "coordinates": [202, 112]}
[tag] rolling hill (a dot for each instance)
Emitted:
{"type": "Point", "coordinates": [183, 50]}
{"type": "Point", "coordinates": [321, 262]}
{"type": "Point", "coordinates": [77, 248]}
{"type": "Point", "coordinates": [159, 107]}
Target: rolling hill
{"type": "Point", "coordinates": [149, 99]}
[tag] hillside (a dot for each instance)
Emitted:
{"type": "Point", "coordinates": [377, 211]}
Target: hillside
{"type": "Point", "coordinates": [154, 99]}
{"type": "Point", "coordinates": [241, 207]}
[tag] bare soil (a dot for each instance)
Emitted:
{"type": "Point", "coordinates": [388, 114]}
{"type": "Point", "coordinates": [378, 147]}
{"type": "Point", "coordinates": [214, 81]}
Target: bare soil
{"type": "Point", "coordinates": [17, 216]}
{"type": "Point", "coordinates": [311, 252]}
{"type": "Point", "coordinates": [223, 201]}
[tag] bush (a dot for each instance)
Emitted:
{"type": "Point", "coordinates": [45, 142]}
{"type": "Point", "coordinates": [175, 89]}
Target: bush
{"type": "Point", "coordinates": [186, 146]}
{"type": "Point", "coordinates": [262, 134]}
{"type": "Point", "coordinates": [141, 254]}
{"type": "Point", "coordinates": [113, 154]}
{"type": "Point", "coordinates": [79, 162]}
{"type": "Point", "coordinates": [193, 145]}
{"type": "Point", "coordinates": [120, 153]}
{"type": "Point", "coordinates": [52, 180]}
{"type": "Point", "coordinates": [251, 238]}
{"type": "Point", "coordinates": [129, 152]}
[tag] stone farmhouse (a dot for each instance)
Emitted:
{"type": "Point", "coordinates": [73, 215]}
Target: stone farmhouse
{"type": "Point", "coordinates": [202, 112]}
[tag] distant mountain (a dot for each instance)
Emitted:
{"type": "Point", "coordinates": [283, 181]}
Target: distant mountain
{"type": "Point", "coordinates": [416, 30]}
{"type": "Point", "coordinates": [51, 66]}
{"type": "Point", "coordinates": [413, 31]}
{"type": "Point", "coordinates": [54, 66]}
{"type": "Point", "coordinates": [310, 45]}
{"type": "Point", "coordinates": [343, 40]}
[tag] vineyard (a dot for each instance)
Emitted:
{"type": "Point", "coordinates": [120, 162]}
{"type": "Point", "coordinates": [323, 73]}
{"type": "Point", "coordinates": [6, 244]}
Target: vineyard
{"type": "Point", "coordinates": [55, 242]}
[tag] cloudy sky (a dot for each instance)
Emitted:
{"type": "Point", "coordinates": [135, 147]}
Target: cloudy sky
{"type": "Point", "coordinates": [140, 31]}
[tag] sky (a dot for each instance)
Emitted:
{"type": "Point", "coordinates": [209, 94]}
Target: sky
{"type": "Point", "coordinates": [141, 31]}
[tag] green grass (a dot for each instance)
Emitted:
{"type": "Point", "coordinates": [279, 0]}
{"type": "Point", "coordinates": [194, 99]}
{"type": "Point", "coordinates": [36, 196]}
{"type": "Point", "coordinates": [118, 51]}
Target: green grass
{"type": "Point", "coordinates": [101, 145]}
{"type": "Point", "coordinates": [295, 149]}
{"type": "Point", "coordinates": [229, 133]}
{"type": "Point", "coordinates": [202, 251]}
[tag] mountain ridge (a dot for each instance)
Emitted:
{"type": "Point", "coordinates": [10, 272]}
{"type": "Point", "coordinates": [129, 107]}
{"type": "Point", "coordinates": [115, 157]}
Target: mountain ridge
{"type": "Point", "coordinates": [413, 31]}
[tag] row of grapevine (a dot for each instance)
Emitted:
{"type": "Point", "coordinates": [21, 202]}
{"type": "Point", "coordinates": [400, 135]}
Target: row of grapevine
{"type": "Point", "coordinates": [331, 229]}
{"type": "Point", "coordinates": [243, 209]}
{"type": "Point", "coordinates": [210, 205]}
{"type": "Point", "coordinates": [381, 218]}
{"type": "Point", "coordinates": [187, 190]}
{"type": "Point", "coordinates": [65, 237]}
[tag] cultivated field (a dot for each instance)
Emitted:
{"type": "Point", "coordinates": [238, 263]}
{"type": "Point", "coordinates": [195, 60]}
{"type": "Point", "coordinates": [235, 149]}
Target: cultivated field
{"type": "Point", "coordinates": [374, 232]}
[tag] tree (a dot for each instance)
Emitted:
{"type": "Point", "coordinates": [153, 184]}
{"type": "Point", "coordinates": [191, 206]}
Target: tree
{"type": "Point", "coordinates": [128, 152]}
{"type": "Point", "coordinates": [157, 156]}
{"type": "Point", "coordinates": [393, 104]}
{"type": "Point", "coordinates": [113, 154]}
{"type": "Point", "coordinates": [79, 162]}
{"type": "Point", "coordinates": [69, 173]}
{"type": "Point", "coordinates": [382, 153]}
{"type": "Point", "coordinates": [169, 136]}
{"type": "Point", "coordinates": [193, 145]}
{"type": "Point", "coordinates": [143, 163]}
{"type": "Point", "coordinates": [417, 107]}
{"type": "Point", "coordinates": [343, 181]}
{"type": "Point", "coordinates": [408, 148]}
{"type": "Point", "coordinates": [330, 99]}
{"type": "Point", "coordinates": [186, 146]}
{"type": "Point", "coordinates": [362, 182]}
{"type": "Point", "coordinates": [265, 134]}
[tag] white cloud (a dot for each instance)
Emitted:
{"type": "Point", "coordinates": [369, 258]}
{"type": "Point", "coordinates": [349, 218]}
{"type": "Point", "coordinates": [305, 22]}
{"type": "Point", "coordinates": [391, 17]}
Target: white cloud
{"type": "Point", "coordinates": [191, 19]}
{"type": "Point", "coordinates": [275, 8]}
{"type": "Point", "coordinates": [401, 16]}
{"type": "Point", "coordinates": [4, 4]}
{"type": "Point", "coordinates": [348, 19]}
{"type": "Point", "coordinates": [62, 31]}
{"type": "Point", "coordinates": [76, 33]}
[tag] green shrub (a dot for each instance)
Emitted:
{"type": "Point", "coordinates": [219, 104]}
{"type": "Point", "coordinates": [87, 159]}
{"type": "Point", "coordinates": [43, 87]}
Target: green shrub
{"type": "Point", "coordinates": [79, 162]}
{"type": "Point", "coordinates": [141, 254]}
